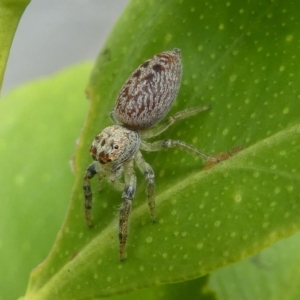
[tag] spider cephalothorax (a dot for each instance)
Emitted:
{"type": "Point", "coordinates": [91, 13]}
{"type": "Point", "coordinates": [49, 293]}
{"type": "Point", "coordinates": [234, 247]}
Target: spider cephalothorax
{"type": "Point", "coordinates": [144, 100]}
{"type": "Point", "coordinates": [115, 144]}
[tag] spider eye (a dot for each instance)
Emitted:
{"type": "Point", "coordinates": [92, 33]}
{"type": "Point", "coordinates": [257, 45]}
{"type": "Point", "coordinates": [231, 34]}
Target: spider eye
{"type": "Point", "coordinates": [116, 146]}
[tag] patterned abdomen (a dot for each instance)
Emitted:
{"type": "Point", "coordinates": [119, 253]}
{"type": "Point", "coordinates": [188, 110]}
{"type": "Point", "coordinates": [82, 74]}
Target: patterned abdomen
{"type": "Point", "coordinates": [149, 92]}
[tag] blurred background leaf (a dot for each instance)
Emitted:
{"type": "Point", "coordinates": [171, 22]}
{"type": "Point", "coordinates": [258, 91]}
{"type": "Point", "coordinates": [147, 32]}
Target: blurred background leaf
{"type": "Point", "coordinates": [271, 274]}
{"type": "Point", "coordinates": [40, 123]}
{"type": "Point", "coordinates": [10, 15]}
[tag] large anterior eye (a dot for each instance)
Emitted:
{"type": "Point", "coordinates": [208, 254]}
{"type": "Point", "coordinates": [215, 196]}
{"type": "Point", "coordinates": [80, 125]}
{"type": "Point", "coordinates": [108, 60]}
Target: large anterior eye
{"type": "Point", "coordinates": [116, 146]}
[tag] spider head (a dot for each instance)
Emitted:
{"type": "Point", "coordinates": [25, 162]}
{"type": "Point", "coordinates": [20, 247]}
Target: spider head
{"type": "Point", "coordinates": [115, 144]}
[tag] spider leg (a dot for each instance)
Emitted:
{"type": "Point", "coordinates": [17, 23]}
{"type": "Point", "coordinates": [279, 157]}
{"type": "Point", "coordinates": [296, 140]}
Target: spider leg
{"type": "Point", "coordinates": [147, 170]}
{"type": "Point", "coordinates": [171, 120]}
{"type": "Point", "coordinates": [88, 195]}
{"type": "Point", "coordinates": [128, 195]}
{"type": "Point", "coordinates": [114, 118]}
{"type": "Point", "coordinates": [165, 144]}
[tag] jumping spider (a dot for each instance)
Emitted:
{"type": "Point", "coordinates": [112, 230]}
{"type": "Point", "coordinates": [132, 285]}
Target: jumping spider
{"type": "Point", "coordinates": [144, 100]}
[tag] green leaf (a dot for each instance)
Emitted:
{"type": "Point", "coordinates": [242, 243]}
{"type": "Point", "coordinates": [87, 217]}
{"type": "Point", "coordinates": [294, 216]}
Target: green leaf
{"type": "Point", "coordinates": [40, 123]}
{"type": "Point", "coordinates": [193, 289]}
{"type": "Point", "coordinates": [10, 15]}
{"type": "Point", "coordinates": [242, 58]}
{"type": "Point", "coordinates": [271, 274]}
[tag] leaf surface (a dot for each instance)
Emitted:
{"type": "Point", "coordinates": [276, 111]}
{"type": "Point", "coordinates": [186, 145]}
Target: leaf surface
{"type": "Point", "coordinates": [242, 59]}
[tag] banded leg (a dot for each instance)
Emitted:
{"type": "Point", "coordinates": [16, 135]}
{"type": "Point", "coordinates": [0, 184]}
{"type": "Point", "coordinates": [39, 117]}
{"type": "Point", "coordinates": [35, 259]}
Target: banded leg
{"type": "Point", "coordinates": [128, 195]}
{"type": "Point", "coordinates": [88, 196]}
{"type": "Point", "coordinates": [165, 144]}
{"type": "Point", "coordinates": [171, 120]}
{"type": "Point", "coordinates": [147, 170]}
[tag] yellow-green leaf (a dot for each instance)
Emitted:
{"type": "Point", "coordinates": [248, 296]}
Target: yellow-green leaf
{"type": "Point", "coordinates": [242, 58]}
{"type": "Point", "coordinates": [10, 15]}
{"type": "Point", "coordinates": [271, 274]}
{"type": "Point", "coordinates": [39, 125]}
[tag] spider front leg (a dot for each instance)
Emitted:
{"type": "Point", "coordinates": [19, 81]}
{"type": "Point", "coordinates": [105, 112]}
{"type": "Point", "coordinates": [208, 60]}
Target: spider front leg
{"type": "Point", "coordinates": [127, 196]}
{"type": "Point", "coordinates": [147, 170]}
{"type": "Point", "coordinates": [165, 144]}
{"type": "Point", "coordinates": [171, 120]}
{"type": "Point", "coordinates": [88, 195]}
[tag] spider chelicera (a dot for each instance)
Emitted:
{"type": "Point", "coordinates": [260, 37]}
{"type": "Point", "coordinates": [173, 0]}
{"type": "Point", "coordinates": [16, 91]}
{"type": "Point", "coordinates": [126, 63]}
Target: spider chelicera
{"type": "Point", "coordinates": [144, 100]}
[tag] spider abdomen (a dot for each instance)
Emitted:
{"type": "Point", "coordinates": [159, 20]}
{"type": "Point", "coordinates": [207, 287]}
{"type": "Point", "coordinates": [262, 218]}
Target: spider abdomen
{"type": "Point", "coordinates": [149, 92]}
